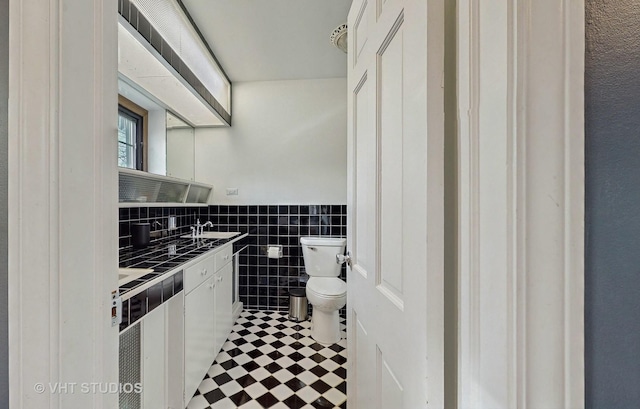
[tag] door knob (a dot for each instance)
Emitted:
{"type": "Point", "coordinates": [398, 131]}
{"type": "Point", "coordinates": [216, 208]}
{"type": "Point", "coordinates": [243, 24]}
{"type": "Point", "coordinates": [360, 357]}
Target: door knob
{"type": "Point", "coordinates": [341, 259]}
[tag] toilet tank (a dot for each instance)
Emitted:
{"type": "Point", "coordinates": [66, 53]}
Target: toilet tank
{"type": "Point", "coordinates": [320, 255]}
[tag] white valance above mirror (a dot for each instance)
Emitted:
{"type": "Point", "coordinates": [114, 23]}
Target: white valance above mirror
{"type": "Point", "coordinates": [161, 55]}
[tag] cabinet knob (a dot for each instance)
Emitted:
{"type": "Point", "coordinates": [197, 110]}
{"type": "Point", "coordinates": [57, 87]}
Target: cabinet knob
{"type": "Point", "coordinates": [204, 271]}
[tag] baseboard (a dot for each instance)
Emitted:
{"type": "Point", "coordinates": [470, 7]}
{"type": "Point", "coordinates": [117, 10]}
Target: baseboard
{"type": "Point", "coordinates": [237, 309]}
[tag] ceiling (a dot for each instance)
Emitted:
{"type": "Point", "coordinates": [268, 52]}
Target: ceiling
{"type": "Point", "coordinates": [265, 40]}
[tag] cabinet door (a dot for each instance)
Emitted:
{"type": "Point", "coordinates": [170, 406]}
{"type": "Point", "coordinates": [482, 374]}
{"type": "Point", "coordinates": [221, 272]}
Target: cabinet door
{"type": "Point", "coordinates": [174, 331]}
{"type": "Point", "coordinates": [223, 299]}
{"type": "Point", "coordinates": [153, 362]}
{"type": "Point", "coordinates": [199, 335]}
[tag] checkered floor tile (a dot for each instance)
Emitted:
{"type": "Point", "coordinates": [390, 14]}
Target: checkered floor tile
{"type": "Point", "coordinates": [271, 362]}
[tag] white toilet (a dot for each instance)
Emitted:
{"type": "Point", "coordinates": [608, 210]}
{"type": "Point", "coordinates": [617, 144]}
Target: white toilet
{"type": "Point", "coordinates": [325, 291]}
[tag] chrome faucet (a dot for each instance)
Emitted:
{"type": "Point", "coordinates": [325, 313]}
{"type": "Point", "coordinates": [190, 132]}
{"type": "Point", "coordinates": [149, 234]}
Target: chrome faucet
{"type": "Point", "coordinates": [198, 229]}
{"type": "Point", "coordinates": [195, 230]}
{"type": "Point", "coordinates": [207, 224]}
{"type": "Point", "coordinates": [156, 230]}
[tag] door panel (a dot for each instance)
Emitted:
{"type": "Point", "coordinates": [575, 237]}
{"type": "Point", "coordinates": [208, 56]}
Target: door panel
{"type": "Point", "coordinates": [364, 358]}
{"type": "Point", "coordinates": [388, 191]}
{"type": "Point", "coordinates": [390, 125]}
{"type": "Point", "coordinates": [365, 180]}
{"type": "Point", "coordinates": [361, 29]}
{"type": "Point", "coordinates": [388, 384]}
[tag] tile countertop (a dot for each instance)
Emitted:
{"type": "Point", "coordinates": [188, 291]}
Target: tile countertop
{"type": "Point", "coordinates": [166, 257]}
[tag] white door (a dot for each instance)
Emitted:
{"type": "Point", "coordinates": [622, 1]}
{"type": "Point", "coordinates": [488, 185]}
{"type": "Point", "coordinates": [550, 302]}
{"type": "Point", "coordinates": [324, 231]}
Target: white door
{"type": "Point", "coordinates": [395, 159]}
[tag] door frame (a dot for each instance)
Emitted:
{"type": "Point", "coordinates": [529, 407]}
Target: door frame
{"type": "Point", "coordinates": [520, 66]}
{"type": "Point", "coordinates": [62, 203]}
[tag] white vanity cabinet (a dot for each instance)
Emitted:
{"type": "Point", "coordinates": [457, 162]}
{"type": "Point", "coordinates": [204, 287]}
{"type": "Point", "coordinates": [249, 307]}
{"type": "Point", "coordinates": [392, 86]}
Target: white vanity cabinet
{"type": "Point", "coordinates": [183, 319]}
{"type": "Point", "coordinates": [207, 314]}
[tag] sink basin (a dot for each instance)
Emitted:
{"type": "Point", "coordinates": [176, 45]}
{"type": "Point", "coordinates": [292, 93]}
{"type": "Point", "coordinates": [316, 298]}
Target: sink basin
{"type": "Point", "coordinates": [214, 235]}
{"type": "Point", "coordinates": [126, 275]}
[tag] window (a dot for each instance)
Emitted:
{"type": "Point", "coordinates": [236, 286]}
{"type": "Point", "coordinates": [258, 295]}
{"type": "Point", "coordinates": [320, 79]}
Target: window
{"type": "Point", "coordinates": [131, 135]}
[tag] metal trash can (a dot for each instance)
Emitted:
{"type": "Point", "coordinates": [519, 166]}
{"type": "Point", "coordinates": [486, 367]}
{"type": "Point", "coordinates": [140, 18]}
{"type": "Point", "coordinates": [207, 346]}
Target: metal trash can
{"type": "Point", "coordinates": [297, 304]}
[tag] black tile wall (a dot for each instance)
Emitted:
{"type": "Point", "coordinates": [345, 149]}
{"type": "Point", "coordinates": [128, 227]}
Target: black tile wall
{"type": "Point", "coordinates": [264, 283]}
{"type": "Point", "coordinates": [140, 304]}
{"type": "Point", "coordinates": [185, 217]}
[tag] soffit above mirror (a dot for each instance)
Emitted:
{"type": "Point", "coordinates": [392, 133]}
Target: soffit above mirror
{"type": "Point", "coordinates": [148, 64]}
{"type": "Point", "coordinates": [173, 122]}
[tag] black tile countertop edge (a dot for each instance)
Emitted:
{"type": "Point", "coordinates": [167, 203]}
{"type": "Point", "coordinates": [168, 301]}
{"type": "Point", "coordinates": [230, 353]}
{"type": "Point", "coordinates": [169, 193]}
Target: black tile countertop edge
{"type": "Point", "coordinates": [166, 258]}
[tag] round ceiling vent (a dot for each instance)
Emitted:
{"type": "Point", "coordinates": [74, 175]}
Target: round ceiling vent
{"type": "Point", "coordinates": [339, 37]}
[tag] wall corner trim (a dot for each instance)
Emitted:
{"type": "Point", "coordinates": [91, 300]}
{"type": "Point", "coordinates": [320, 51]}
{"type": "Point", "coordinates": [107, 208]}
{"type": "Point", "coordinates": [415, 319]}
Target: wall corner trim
{"type": "Point", "coordinates": [62, 202]}
{"type": "Point", "coordinates": [521, 204]}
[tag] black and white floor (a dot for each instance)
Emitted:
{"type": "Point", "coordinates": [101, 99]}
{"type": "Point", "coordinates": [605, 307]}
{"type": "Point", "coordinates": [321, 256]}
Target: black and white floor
{"type": "Point", "coordinates": [271, 362]}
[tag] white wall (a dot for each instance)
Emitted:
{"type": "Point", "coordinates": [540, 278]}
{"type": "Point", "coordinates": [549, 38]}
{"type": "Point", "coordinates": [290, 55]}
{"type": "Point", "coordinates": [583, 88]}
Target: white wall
{"type": "Point", "coordinates": [287, 144]}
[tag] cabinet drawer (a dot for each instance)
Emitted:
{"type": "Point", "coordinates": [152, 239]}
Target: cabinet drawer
{"type": "Point", "coordinates": [223, 257]}
{"type": "Point", "coordinates": [198, 273]}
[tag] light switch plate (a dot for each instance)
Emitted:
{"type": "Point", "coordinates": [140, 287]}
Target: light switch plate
{"type": "Point", "coordinates": [232, 191]}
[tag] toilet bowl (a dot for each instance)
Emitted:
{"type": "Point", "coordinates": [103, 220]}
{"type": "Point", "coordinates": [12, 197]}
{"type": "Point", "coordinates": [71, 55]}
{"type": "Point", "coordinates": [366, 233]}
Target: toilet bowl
{"type": "Point", "coordinates": [325, 291]}
{"type": "Point", "coordinates": [326, 296]}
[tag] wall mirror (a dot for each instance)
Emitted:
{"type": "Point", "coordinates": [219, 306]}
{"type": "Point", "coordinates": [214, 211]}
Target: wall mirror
{"type": "Point", "coordinates": [180, 148]}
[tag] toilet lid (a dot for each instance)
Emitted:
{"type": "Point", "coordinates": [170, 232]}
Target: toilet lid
{"type": "Point", "coordinates": [327, 286]}
{"type": "Point", "coordinates": [323, 241]}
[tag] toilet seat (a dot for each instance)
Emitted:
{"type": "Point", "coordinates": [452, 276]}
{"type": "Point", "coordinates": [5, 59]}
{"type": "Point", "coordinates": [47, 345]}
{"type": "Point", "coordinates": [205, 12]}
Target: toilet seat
{"type": "Point", "coordinates": [327, 287]}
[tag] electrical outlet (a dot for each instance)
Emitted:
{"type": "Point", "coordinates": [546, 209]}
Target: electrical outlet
{"type": "Point", "coordinates": [232, 191]}
{"type": "Point", "coordinates": [116, 308]}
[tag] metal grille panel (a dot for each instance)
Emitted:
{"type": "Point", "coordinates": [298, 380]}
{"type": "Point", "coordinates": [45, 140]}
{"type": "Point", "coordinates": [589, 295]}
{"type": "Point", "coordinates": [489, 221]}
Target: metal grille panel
{"type": "Point", "coordinates": [140, 189]}
{"type": "Point", "coordinates": [198, 194]}
{"type": "Point", "coordinates": [129, 368]}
